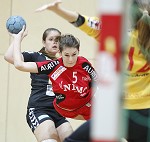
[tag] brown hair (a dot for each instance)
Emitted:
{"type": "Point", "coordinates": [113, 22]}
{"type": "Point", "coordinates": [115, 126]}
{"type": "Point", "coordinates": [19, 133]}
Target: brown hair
{"type": "Point", "coordinates": [68, 40]}
{"type": "Point", "coordinates": [45, 34]}
{"type": "Point", "coordinates": [140, 10]}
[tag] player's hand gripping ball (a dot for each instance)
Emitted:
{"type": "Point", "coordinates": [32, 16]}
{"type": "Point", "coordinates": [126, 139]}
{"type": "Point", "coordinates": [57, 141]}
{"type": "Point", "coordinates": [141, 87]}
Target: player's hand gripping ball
{"type": "Point", "coordinates": [15, 24]}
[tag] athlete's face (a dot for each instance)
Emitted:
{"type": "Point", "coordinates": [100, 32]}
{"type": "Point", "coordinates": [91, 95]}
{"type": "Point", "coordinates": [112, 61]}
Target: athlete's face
{"type": "Point", "coordinates": [51, 43]}
{"type": "Point", "coordinates": [69, 56]}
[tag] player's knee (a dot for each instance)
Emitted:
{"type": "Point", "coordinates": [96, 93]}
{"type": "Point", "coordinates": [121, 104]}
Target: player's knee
{"type": "Point", "coordinates": [49, 140]}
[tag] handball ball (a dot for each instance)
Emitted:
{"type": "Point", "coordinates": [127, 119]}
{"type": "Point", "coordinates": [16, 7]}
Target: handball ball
{"type": "Point", "coordinates": [15, 24]}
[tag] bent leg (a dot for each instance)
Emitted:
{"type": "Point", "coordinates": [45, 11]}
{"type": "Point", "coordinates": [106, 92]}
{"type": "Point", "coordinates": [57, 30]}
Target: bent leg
{"type": "Point", "coordinates": [64, 130]}
{"type": "Point", "coordinates": [46, 131]}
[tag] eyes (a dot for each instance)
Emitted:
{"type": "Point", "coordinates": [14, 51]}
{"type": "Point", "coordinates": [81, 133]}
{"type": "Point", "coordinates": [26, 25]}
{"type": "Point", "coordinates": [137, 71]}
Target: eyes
{"type": "Point", "coordinates": [67, 55]}
{"type": "Point", "coordinates": [54, 39]}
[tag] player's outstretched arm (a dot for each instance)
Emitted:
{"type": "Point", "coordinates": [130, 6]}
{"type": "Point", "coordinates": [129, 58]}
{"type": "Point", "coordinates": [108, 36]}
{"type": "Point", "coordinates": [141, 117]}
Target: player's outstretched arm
{"type": "Point", "coordinates": [89, 25]}
{"type": "Point", "coordinates": [70, 16]}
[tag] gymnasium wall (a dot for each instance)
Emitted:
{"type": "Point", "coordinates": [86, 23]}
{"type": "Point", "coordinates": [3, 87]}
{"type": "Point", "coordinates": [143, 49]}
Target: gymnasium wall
{"type": "Point", "coordinates": [15, 85]}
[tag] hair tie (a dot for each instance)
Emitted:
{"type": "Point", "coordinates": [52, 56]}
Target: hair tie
{"type": "Point", "coordinates": [145, 12]}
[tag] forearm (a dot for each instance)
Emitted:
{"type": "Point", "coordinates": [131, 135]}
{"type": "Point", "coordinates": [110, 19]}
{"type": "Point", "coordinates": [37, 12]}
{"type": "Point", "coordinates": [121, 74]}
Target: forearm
{"type": "Point", "coordinates": [68, 15]}
{"type": "Point", "coordinates": [17, 56]}
{"type": "Point", "coordinates": [18, 62]}
{"type": "Point", "coordinates": [9, 54]}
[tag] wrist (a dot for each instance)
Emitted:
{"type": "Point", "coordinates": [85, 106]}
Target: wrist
{"type": "Point", "coordinates": [17, 38]}
{"type": "Point", "coordinates": [80, 21]}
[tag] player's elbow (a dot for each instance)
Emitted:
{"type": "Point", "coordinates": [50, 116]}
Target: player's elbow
{"type": "Point", "coordinates": [9, 60]}
{"type": "Point", "coordinates": [6, 58]}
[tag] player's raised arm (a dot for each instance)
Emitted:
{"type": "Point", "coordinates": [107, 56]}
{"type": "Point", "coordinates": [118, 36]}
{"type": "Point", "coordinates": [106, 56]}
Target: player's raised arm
{"type": "Point", "coordinates": [89, 25]}
{"type": "Point", "coordinates": [55, 7]}
{"type": "Point", "coordinates": [8, 56]}
{"type": "Point", "coordinates": [18, 62]}
{"type": "Point", "coordinates": [14, 24]}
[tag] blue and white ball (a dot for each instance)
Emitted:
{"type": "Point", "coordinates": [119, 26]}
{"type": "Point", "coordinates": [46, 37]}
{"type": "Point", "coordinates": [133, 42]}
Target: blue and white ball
{"type": "Point", "coordinates": [15, 24]}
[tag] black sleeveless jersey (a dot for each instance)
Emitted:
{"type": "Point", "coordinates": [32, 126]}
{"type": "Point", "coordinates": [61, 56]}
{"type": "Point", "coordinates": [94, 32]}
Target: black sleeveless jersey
{"type": "Point", "coordinates": [41, 91]}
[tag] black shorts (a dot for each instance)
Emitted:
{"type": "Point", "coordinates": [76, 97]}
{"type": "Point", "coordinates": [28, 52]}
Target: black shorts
{"type": "Point", "coordinates": [138, 125]}
{"type": "Point", "coordinates": [35, 116]}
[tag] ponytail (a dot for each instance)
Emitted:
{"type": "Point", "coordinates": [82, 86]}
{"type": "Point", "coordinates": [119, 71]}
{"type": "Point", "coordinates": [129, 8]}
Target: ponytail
{"type": "Point", "coordinates": [141, 22]}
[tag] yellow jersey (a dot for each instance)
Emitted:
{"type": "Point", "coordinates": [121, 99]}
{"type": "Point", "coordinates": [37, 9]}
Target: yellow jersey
{"type": "Point", "coordinates": [137, 70]}
{"type": "Point", "coordinates": [137, 76]}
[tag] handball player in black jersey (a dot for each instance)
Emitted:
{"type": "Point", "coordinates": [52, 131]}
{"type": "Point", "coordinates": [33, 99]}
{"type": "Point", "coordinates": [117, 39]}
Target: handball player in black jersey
{"type": "Point", "coordinates": [73, 77]}
{"type": "Point", "coordinates": [46, 123]}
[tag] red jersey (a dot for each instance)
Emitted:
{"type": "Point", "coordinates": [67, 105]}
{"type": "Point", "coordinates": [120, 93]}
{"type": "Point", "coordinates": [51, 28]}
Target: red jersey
{"type": "Point", "coordinates": [72, 85]}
